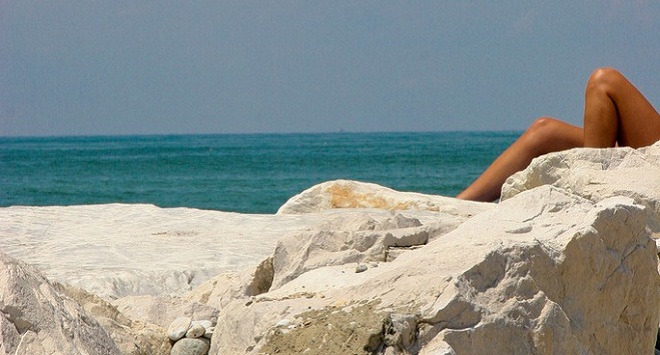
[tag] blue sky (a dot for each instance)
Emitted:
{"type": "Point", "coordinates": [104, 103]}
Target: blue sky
{"type": "Point", "coordinates": [175, 67]}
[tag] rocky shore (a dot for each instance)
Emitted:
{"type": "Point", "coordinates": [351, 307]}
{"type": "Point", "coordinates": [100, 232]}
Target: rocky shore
{"type": "Point", "coordinates": [566, 263]}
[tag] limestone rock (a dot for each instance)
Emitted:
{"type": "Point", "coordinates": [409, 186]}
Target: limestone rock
{"type": "Point", "coordinates": [43, 321]}
{"type": "Point", "coordinates": [9, 336]}
{"type": "Point", "coordinates": [162, 310]}
{"type": "Point", "coordinates": [218, 291]}
{"type": "Point", "coordinates": [544, 272]}
{"type": "Point", "coordinates": [191, 346]}
{"type": "Point", "coordinates": [356, 239]}
{"type": "Point", "coordinates": [132, 337]}
{"type": "Point", "coordinates": [343, 239]}
{"type": "Point", "coordinates": [401, 332]}
{"type": "Point", "coordinates": [206, 324]}
{"type": "Point", "coordinates": [196, 330]}
{"type": "Point", "coordinates": [354, 194]}
{"type": "Point", "coordinates": [178, 328]}
{"type": "Point", "coordinates": [223, 288]}
{"type": "Point", "coordinates": [119, 250]}
{"type": "Point", "coordinates": [596, 174]}
{"type": "Point", "coordinates": [208, 332]}
{"type": "Point", "coordinates": [72, 245]}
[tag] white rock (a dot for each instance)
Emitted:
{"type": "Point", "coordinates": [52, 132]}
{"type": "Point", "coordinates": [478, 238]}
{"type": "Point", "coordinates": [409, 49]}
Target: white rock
{"type": "Point", "coordinates": [354, 194]}
{"type": "Point", "coordinates": [162, 310]}
{"type": "Point", "coordinates": [208, 333]}
{"type": "Point", "coordinates": [118, 250]}
{"type": "Point", "coordinates": [489, 286]}
{"type": "Point", "coordinates": [9, 336]}
{"type": "Point", "coordinates": [196, 330]}
{"type": "Point", "coordinates": [357, 238]}
{"type": "Point", "coordinates": [283, 323]}
{"type": "Point", "coordinates": [178, 328]}
{"type": "Point", "coordinates": [219, 290]}
{"type": "Point", "coordinates": [387, 236]}
{"type": "Point", "coordinates": [121, 250]}
{"type": "Point", "coordinates": [204, 323]}
{"type": "Point", "coordinates": [401, 331]}
{"type": "Point", "coordinates": [36, 319]}
{"type": "Point", "coordinates": [596, 174]}
{"type": "Point", "coordinates": [226, 287]}
{"type": "Point", "coordinates": [131, 336]}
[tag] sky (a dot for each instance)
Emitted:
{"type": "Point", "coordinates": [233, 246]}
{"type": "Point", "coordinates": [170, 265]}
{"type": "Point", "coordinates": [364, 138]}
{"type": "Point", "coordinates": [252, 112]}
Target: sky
{"type": "Point", "coordinates": [205, 67]}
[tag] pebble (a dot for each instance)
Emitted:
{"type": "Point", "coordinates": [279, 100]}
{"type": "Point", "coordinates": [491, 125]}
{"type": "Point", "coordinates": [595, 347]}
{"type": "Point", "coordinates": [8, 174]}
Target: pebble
{"type": "Point", "coordinates": [178, 328]}
{"type": "Point", "coordinates": [361, 268]}
{"type": "Point", "coordinates": [204, 323]}
{"type": "Point", "coordinates": [283, 323]}
{"type": "Point", "coordinates": [195, 331]}
{"type": "Point", "coordinates": [190, 346]}
{"type": "Point", "coordinates": [208, 333]}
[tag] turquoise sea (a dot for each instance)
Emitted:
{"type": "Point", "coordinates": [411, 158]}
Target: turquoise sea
{"type": "Point", "coordinates": [248, 173]}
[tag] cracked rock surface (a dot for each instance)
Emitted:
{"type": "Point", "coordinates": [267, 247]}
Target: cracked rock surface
{"type": "Point", "coordinates": [544, 272]}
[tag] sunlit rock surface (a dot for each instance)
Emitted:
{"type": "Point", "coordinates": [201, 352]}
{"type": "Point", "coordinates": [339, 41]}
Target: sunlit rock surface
{"type": "Point", "coordinates": [544, 272]}
{"type": "Point", "coordinates": [566, 263]}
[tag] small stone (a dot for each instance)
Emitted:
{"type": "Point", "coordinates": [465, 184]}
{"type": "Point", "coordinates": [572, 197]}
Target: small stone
{"type": "Point", "coordinates": [208, 333]}
{"type": "Point", "coordinates": [190, 346]}
{"type": "Point", "coordinates": [195, 331]}
{"type": "Point", "coordinates": [204, 323]}
{"type": "Point", "coordinates": [283, 323]}
{"type": "Point", "coordinates": [178, 328]}
{"type": "Point", "coordinates": [361, 268]}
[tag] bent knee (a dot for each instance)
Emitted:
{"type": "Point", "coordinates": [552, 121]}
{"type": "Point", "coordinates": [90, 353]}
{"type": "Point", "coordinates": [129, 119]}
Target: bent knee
{"type": "Point", "coordinates": [541, 130]}
{"type": "Point", "coordinates": [547, 134]}
{"type": "Point", "coordinates": [544, 126]}
{"type": "Point", "coordinates": [604, 78]}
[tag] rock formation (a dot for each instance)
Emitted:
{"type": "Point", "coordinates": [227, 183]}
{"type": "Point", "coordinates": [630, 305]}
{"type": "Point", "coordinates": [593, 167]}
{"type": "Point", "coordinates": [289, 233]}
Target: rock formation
{"type": "Point", "coordinates": [190, 337]}
{"type": "Point", "coordinates": [566, 263]}
{"type": "Point", "coordinates": [544, 272]}
{"type": "Point", "coordinates": [596, 174]}
{"type": "Point", "coordinates": [353, 194]}
{"type": "Point", "coordinates": [36, 319]}
{"type": "Point", "coordinates": [131, 335]}
{"type": "Point", "coordinates": [118, 250]}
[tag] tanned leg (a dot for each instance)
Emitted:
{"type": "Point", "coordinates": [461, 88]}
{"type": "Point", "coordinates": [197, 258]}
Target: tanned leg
{"type": "Point", "coordinates": [545, 135]}
{"type": "Point", "coordinates": [616, 112]}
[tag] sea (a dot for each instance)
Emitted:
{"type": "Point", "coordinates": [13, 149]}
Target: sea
{"type": "Point", "coordinates": [246, 173]}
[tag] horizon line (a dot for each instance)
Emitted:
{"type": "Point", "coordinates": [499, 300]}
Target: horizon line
{"type": "Point", "coordinates": [27, 136]}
